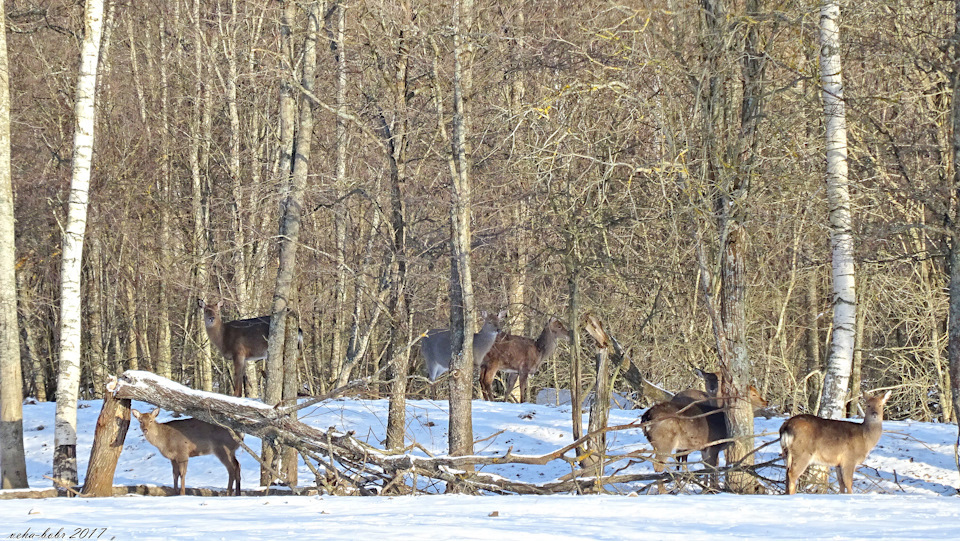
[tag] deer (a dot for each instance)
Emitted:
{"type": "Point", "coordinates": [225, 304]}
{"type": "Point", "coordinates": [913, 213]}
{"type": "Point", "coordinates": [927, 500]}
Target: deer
{"type": "Point", "coordinates": [672, 427]}
{"type": "Point", "coordinates": [181, 439]}
{"type": "Point", "coordinates": [437, 351]}
{"type": "Point", "coordinates": [240, 340]}
{"type": "Point", "coordinates": [521, 355]}
{"type": "Point", "coordinates": [807, 439]}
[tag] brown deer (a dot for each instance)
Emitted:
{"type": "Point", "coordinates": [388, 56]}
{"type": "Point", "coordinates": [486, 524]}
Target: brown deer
{"type": "Point", "coordinates": [808, 439]}
{"type": "Point", "coordinates": [181, 439]}
{"type": "Point", "coordinates": [521, 355]}
{"type": "Point", "coordinates": [240, 340]}
{"type": "Point", "coordinates": [683, 428]}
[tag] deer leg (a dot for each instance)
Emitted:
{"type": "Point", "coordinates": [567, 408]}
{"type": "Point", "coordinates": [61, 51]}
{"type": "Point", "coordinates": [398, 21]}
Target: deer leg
{"type": "Point", "coordinates": [176, 475]}
{"type": "Point", "coordinates": [796, 465]}
{"type": "Point", "coordinates": [523, 387]}
{"type": "Point", "coordinates": [238, 373]}
{"type": "Point", "coordinates": [845, 477]}
{"type": "Point", "coordinates": [182, 466]}
{"type": "Point", "coordinates": [487, 373]}
{"type": "Point", "coordinates": [711, 457]}
{"type": "Point", "coordinates": [658, 467]}
{"type": "Point", "coordinates": [228, 460]}
{"type": "Point", "coordinates": [509, 382]}
{"type": "Point", "coordinates": [236, 469]}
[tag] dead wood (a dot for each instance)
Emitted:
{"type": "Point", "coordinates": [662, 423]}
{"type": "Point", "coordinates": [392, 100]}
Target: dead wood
{"type": "Point", "coordinates": [351, 465]}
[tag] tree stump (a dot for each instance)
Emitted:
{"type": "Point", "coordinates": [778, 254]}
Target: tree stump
{"type": "Point", "coordinates": [108, 441]}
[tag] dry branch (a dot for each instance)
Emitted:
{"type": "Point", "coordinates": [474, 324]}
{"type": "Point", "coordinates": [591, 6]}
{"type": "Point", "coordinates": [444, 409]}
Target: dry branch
{"type": "Point", "coordinates": [359, 464]}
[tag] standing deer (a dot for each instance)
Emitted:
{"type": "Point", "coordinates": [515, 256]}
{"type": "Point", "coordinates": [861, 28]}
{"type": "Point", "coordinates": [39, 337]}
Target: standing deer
{"type": "Point", "coordinates": [683, 428]}
{"type": "Point", "coordinates": [181, 439]}
{"type": "Point", "coordinates": [808, 439]}
{"type": "Point", "coordinates": [437, 351]}
{"type": "Point", "coordinates": [240, 340]}
{"type": "Point", "coordinates": [521, 355]}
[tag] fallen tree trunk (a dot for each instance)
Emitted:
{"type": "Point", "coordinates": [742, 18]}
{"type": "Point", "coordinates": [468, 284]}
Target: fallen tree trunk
{"type": "Point", "coordinates": [344, 458]}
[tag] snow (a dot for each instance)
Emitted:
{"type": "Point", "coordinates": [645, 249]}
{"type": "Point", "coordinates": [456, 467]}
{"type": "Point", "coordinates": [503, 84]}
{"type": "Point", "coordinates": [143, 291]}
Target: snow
{"type": "Point", "coordinates": [905, 490]}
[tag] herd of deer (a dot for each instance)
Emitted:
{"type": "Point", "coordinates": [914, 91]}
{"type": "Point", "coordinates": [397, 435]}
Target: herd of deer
{"type": "Point", "coordinates": [693, 420]}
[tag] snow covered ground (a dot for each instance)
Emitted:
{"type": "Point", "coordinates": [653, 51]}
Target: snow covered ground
{"type": "Point", "coordinates": [907, 489]}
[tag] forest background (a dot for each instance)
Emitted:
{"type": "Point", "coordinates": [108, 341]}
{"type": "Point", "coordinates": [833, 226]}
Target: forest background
{"type": "Point", "coordinates": [608, 145]}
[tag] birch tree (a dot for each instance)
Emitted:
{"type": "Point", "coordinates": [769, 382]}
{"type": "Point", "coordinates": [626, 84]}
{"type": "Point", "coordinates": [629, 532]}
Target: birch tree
{"type": "Point", "coordinates": [840, 359]}
{"type": "Point", "coordinates": [13, 467]}
{"type": "Point", "coordinates": [68, 380]}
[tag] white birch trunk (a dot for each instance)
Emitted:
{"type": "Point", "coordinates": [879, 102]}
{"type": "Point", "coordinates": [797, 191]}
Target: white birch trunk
{"type": "Point", "coordinates": [840, 359]}
{"type": "Point", "coordinates": [13, 467]}
{"type": "Point", "coordinates": [68, 380]}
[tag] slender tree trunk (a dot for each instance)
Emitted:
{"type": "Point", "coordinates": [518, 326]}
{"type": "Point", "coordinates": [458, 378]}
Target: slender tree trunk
{"type": "Point", "coordinates": [840, 359]}
{"type": "Point", "coordinates": [576, 375]}
{"type": "Point", "coordinates": [340, 211]}
{"type": "Point", "coordinates": [462, 311]}
{"type": "Point", "coordinates": [164, 201]}
{"type": "Point", "coordinates": [13, 467]}
{"type": "Point", "coordinates": [299, 160]}
{"type": "Point", "coordinates": [95, 358]}
{"type": "Point", "coordinates": [68, 381]}
{"type": "Point", "coordinates": [394, 142]}
{"type": "Point", "coordinates": [812, 342]}
{"type": "Point", "coordinates": [31, 348]}
{"type": "Point", "coordinates": [953, 255]}
{"type": "Point", "coordinates": [291, 384]}
{"type": "Point", "coordinates": [132, 360]}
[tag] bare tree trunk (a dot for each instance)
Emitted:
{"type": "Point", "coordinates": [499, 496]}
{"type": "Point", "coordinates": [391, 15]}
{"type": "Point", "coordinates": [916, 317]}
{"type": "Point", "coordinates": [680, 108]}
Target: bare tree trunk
{"type": "Point", "coordinates": [812, 342]}
{"type": "Point", "coordinates": [339, 216]}
{"type": "Point", "coordinates": [603, 392]}
{"type": "Point", "coordinates": [291, 384]}
{"type": "Point", "coordinates": [165, 199]}
{"type": "Point", "coordinates": [111, 432]}
{"type": "Point", "coordinates": [519, 255]}
{"type": "Point", "coordinates": [68, 381]}
{"type": "Point", "coordinates": [462, 311]}
{"type": "Point", "coordinates": [36, 371]}
{"type": "Point", "coordinates": [96, 360]}
{"type": "Point", "coordinates": [576, 375]}
{"type": "Point", "coordinates": [13, 467]}
{"type": "Point", "coordinates": [284, 291]}
{"type": "Point", "coordinates": [953, 253]}
{"type": "Point", "coordinates": [132, 327]}
{"type": "Point", "coordinates": [856, 369]}
{"type": "Point", "coordinates": [840, 360]}
{"type": "Point", "coordinates": [395, 142]}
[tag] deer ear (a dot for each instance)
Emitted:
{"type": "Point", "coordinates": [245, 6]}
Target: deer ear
{"type": "Point", "coordinates": [886, 396]}
{"type": "Point", "coordinates": [201, 304]}
{"type": "Point", "coordinates": [502, 314]}
{"type": "Point", "coordinates": [155, 412]}
{"type": "Point", "coordinates": [135, 413]}
{"type": "Point", "coordinates": [220, 305]}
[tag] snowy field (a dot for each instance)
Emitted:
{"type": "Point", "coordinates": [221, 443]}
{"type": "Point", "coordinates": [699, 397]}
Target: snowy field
{"type": "Point", "coordinates": [907, 489]}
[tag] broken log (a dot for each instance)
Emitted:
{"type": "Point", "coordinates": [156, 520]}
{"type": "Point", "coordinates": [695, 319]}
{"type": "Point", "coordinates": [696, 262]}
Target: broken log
{"type": "Point", "coordinates": [108, 438]}
{"type": "Point", "coordinates": [344, 457]}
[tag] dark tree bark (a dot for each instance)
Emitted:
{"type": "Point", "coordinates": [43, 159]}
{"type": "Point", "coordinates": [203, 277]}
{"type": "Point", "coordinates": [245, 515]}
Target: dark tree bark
{"type": "Point", "coordinates": [13, 468]}
{"type": "Point", "coordinates": [108, 440]}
